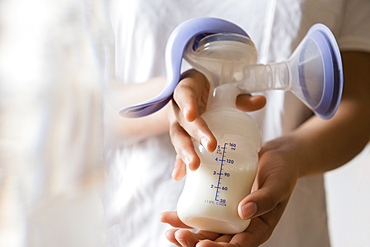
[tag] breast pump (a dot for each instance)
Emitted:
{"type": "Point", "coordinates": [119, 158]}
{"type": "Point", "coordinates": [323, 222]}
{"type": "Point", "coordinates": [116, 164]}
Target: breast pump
{"type": "Point", "coordinates": [225, 54]}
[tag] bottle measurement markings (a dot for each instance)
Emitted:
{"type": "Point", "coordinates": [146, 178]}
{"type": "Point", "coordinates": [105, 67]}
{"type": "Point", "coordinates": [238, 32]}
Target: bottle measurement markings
{"type": "Point", "coordinates": [223, 160]}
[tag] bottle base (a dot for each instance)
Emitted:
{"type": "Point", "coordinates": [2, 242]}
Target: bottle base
{"type": "Point", "coordinates": [214, 225]}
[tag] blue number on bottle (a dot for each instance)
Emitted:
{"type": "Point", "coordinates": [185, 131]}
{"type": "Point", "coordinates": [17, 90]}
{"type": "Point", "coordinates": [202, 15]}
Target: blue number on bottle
{"type": "Point", "coordinates": [230, 161]}
{"type": "Point", "coordinates": [232, 145]}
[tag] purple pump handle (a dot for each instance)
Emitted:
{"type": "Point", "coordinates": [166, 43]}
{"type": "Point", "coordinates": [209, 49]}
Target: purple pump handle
{"type": "Point", "coordinates": [176, 45]}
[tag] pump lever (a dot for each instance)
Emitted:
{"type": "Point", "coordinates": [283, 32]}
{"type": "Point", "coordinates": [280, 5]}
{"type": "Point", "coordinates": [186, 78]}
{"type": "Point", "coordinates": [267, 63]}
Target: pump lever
{"type": "Point", "coordinates": [176, 44]}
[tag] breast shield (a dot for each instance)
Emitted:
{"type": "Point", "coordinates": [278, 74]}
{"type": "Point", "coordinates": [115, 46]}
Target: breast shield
{"type": "Point", "coordinates": [226, 55]}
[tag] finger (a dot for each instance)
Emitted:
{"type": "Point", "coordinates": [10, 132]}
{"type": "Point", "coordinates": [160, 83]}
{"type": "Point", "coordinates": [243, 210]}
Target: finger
{"type": "Point", "coordinates": [201, 235]}
{"type": "Point", "coordinates": [262, 200]}
{"type": "Point", "coordinates": [179, 170]}
{"type": "Point", "coordinates": [172, 219]}
{"type": "Point", "coordinates": [184, 146]}
{"type": "Point", "coordinates": [224, 238]}
{"type": "Point", "coordinates": [170, 235]}
{"type": "Point", "coordinates": [186, 238]}
{"type": "Point", "coordinates": [185, 98]}
{"type": "Point", "coordinates": [198, 129]}
{"type": "Point", "coordinates": [209, 243]}
{"type": "Point", "coordinates": [256, 234]}
{"type": "Point", "coordinates": [274, 187]}
{"type": "Point", "coordinates": [247, 102]}
{"type": "Point", "coordinates": [260, 228]}
{"type": "Point", "coordinates": [189, 101]}
{"type": "Point", "coordinates": [191, 94]}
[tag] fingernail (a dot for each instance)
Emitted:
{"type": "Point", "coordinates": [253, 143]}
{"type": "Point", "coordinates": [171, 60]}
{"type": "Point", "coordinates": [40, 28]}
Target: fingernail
{"type": "Point", "coordinates": [204, 142]}
{"type": "Point", "coordinates": [183, 242]}
{"type": "Point", "coordinates": [185, 111]}
{"type": "Point", "coordinates": [187, 160]}
{"type": "Point", "coordinates": [174, 173]}
{"type": "Point", "coordinates": [248, 210]}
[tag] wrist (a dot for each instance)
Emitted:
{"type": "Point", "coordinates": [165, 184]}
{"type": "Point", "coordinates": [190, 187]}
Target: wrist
{"type": "Point", "coordinates": [294, 153]}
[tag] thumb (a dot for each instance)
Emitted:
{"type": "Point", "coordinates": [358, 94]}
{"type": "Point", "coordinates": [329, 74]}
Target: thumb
{"type": "Point", "coordinates": [265, 199]}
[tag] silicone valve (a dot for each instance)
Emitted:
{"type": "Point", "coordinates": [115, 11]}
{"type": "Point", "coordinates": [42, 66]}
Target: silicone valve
{"type": "Point", "coordinates": [176, 44]}
{"type": "Point", "coordinates": [333, 71]}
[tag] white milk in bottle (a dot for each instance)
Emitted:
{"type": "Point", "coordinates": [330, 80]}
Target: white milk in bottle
{"type": "Point", "coordinates": [211, 194]}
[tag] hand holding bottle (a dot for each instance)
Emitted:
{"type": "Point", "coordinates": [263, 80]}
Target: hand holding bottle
{"type": "Point", "coordinates": [276, 175]}
{"type": "Point", "coordinates": [190, 101]}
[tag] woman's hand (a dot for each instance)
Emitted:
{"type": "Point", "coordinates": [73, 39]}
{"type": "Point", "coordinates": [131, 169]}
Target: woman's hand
{"type": "Point", "coordinates": [189, 103]}
{"type": "Point", "coordinates": [275, 180]}
{"type": "Point", "coordinates": [313, 148]}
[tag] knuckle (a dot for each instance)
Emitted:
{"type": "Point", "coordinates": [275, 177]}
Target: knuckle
{"type": "Point", "coordinates": [270, 200]}
{"type": "Point", "coordinates": [179, 139]}
{"type": "Point", "coordinates": [177, 91]}
{"type": "Point", "coordinates": [196, 134]}
{"type": "Point", "coordinates": [175, 133]}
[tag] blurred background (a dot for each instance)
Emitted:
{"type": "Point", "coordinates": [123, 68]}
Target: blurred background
{"type": "Point", "coordinates": [54, 68]}
{"type": "Point", "coordinates": [51, 128]}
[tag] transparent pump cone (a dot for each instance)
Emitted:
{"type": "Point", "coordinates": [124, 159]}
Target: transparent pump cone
{"type": "Point", "coordinates": [316, 74]}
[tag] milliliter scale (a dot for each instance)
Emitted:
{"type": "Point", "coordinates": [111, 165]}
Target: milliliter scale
{"type": "Point", "coordinates": [223, 160]}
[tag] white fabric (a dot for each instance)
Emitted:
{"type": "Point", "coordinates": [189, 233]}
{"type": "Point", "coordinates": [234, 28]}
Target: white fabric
{"type": "Point", "coordinates": [349, 219]}
{"type": "Point", "coordinates": [276, 27]}
{"type": "Point", "coordinates": [51, 164]}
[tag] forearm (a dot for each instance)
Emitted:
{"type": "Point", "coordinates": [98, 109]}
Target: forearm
{"type": "Point", "coordinates": [322, 145]}
{"type": "Point", "coordinates": [137, 128]}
